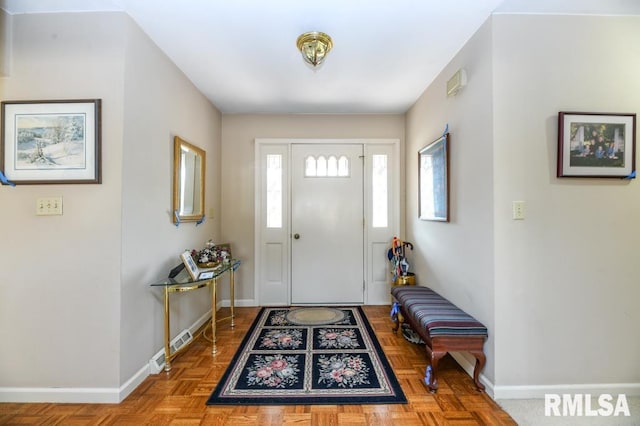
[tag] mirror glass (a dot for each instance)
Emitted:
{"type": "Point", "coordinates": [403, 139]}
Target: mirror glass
{"type": "Point", "coordinates": [188, 181]}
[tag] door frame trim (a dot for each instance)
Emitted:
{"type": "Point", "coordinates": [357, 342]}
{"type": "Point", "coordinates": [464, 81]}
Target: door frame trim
{"type": "Point", "coordinates": [288, 142]}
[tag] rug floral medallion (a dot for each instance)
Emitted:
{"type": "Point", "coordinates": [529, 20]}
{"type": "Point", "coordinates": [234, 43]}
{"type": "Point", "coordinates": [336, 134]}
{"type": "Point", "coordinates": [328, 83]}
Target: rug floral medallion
{"type": "Point", "coordinates": [282, 363]}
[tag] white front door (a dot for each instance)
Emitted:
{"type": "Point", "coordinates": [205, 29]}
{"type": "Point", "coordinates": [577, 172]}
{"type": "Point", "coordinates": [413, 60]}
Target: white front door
{"type": "Point", "coordinates": [327, 224]}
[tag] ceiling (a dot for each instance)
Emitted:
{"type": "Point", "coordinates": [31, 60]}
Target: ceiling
{"type": "Point", "coordinates": [242, 55]}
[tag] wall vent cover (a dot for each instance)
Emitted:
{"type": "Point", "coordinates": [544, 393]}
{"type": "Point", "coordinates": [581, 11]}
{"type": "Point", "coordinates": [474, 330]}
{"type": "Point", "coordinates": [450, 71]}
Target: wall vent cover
{"type": "Point", "coordinates": [457, 82]}
{"type": "Point", "coordinates": [156, 364]}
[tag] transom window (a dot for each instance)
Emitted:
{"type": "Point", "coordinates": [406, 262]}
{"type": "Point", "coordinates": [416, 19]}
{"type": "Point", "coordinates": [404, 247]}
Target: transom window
{"type": "Point", "coordinates": [326, 167]}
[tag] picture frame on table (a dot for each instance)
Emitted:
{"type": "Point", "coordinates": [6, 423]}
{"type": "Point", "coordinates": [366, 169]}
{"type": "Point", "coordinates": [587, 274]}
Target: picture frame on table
{"type": "Point", "coordinates": [596, 145]}
{"type": "Point", "coordinates": [206, 275]}
{"type": "Point", "coordinates": [433, 180]}
{"type": "Point", "coordinates": [190, 265]}
{"type": "Point", "coordinates": [51, 141]}
{"type": "Point", "coordinates": [194, 271]}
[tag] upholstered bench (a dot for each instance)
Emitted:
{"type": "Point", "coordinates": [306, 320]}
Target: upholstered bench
{"type": "Point", "coordinates": [443, 326]}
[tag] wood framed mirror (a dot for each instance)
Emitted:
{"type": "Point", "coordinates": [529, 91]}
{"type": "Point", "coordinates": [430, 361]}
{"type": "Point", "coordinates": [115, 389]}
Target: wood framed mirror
{"type": "Point", "coordinates": [188, 181]}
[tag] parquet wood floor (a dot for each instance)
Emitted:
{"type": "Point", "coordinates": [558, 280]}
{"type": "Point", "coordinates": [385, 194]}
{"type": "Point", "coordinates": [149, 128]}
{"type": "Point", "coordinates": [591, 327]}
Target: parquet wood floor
{"type": "Point", "coordinates": [178, 397]}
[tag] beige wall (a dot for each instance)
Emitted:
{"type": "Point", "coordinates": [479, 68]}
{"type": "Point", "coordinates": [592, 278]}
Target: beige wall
{"type": "Point", "coordinates": [76, 304]}
{"type": "Point", "coordinates": [61, 274]}
{"type": "Point", "coordinates": [456, 258]}
{"type": "Point", "coordinates": [156, 109]}
{"type": "Point", "coordinates": [558, 290]}
{"type": "Point", "coordinates": [566, 277]}
{"type": "Point", "coordinates": [5, 46]}
{"type": "Point", "coordinates": [238, 141]}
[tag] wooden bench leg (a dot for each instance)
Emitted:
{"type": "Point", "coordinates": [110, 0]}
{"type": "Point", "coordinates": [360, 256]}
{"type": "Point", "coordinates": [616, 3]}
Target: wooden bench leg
{"type": "Point", "coordinates": [480, 361]}
{"type": "Point", "coordinates": [398, 319]}
{"type": "Point", "coordinates": [431, 377]}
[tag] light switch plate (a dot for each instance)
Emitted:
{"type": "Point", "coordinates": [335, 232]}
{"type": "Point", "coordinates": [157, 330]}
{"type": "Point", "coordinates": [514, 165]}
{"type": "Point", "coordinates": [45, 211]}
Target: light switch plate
{"type": "Point", "coordinates": [518, 210]}
{"type": "Point", "coordinates": [49, 206]}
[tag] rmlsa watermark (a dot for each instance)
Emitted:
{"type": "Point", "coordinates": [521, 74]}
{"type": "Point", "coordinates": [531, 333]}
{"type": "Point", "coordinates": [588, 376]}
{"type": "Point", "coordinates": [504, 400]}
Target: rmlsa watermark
{"type": "Point", "coordinates": [584, 404]}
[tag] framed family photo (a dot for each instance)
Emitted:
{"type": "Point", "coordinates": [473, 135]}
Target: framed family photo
{"type": "Point", "coordinates": [51, 142]}
{"type": "Point", "coordinates": [433, 180]}
{"type": "Point", "coordinates": [596, 144]}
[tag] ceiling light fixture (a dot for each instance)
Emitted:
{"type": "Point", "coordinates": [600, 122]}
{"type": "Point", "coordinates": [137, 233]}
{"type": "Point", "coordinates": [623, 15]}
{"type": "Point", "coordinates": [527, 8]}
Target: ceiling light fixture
{"type": "Point", "coordinates": [314, 46]}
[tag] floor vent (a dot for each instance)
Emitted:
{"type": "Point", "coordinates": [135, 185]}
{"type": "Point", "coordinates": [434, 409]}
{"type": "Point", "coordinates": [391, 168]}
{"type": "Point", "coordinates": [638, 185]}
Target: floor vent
{"type": "Point", "coordinates": [157, 362]}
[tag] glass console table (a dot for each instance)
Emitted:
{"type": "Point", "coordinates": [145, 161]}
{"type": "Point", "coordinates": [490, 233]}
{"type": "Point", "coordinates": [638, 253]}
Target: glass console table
{"type": "Point", "coordinates": [183, 282]}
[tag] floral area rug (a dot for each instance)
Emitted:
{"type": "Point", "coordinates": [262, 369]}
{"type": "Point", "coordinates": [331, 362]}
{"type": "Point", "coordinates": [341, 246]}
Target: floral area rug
{"type": "Point", "coordinates": [282, 363]}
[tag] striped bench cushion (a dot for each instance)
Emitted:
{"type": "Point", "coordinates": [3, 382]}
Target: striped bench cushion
{"type": "Point", "coordinates": [435, 313]}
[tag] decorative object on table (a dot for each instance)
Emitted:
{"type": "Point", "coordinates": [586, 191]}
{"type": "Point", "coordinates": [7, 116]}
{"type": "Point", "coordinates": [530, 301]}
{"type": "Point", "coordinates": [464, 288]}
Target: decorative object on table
{"type": "Point", "coordinates": [190, 264]}
{"type": "Point", "coordinates": [51, 142]}
{"type": "Point", "coordinates": [206, 275]}
{"type": "Point", "coordinates": [433, 182]}
{"type": "Point", "coordinates": [594, 144]}
{"type": "Point", "coordinates": [400, 265]}
{"type": "Point", "coordinates": [281, 363]}
{"type": "Point", "coordinates": [175, 271]}
{"type": "Point", "coordinates": [212, 255]}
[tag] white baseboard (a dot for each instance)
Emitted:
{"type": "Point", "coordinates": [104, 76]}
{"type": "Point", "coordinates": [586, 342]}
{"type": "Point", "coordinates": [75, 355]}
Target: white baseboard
{"type": "Point", "coordinates": [238, 303]}
{"type": "Point", "coordinates": [75, 395]}
{"type": "Point", "coordinates": [91, 395]}
{"type": "Point", "coordinates": [468, 367]}
{"type": "Point", "coordinates": [60, 395]}
{"type": "Point", "coordinates": [539, 391]}
{"type": "Point", "coordinates": [131, 384]}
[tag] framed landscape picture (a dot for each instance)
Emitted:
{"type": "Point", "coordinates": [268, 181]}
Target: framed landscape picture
{"type": "Point", "coordinates": [433, 180]}
{"type": "Point", "coordinates": [596, 144]}
{"type": "Point", "coordinates": [51, 142]}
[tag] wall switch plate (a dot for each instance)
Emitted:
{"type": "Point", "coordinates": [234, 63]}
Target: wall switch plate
{"type": "Point", "coordinates": [518, 210]}
{"type": "Point", "coordinates": [50, 206]}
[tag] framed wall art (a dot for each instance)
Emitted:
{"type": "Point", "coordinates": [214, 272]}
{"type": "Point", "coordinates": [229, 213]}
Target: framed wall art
{"type": "Point", "coordinates": [596, 145]}
{"type": "Point", "coordinates": [433, 181]}
{"type": "Point", "coordinates": [51, 142]}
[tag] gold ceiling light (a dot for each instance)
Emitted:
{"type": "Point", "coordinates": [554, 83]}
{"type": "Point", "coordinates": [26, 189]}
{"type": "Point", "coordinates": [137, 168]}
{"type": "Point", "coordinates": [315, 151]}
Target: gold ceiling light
{"type": "Point", "coordinates": [314, 46]}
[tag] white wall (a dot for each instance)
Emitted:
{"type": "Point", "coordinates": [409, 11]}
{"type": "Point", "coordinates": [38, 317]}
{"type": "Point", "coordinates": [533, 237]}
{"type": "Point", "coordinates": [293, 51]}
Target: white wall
{"type": "Point", "coordinates": [456, 258]}
{"type": "Point", "coordinates": [239, 132]}
{"type": "Point", "coordinates": [76, 310]}
{"type": "Point", "coordinates": [566, 277]}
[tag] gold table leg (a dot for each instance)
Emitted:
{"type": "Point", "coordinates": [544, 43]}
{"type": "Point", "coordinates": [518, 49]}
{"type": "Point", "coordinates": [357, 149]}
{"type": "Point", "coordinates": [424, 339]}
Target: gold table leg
{"type": "Point", "coordinates": [232, 287]}
{"type": "Point", "coordinates": [167, 335]}
{"type": "Point", "coordinates": [214, 349]}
